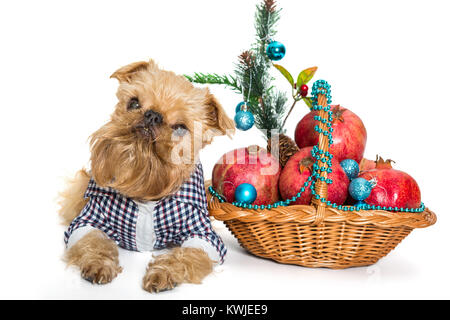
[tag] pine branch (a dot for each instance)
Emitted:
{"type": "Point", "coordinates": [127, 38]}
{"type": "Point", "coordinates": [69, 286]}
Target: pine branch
{"type": "Point", "coordinates": [266, 18]}
{"type": "Point", "coordinates": [266, 103]}
{"type": "Point", "coordinates": [214, 78]}
{"type": "Point", "coordinates": [251, 74]}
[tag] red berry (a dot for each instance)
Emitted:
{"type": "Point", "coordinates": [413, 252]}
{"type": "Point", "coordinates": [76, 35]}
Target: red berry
{"type": "Point", "coordinates": [304, 90]}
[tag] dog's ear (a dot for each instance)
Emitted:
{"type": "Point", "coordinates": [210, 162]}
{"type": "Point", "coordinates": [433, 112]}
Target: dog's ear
{"type": "Point", "coordinates": [217, 116]}
{"type": "Point", "coordinates": [126, 73]}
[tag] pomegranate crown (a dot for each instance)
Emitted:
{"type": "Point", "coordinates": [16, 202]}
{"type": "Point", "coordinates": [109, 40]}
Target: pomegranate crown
{"type": "Point", "coordinates": [380, 163]}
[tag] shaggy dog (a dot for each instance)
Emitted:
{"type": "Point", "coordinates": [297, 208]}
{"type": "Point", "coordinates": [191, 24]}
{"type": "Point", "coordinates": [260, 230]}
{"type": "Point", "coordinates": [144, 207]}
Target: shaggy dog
{"type": "Point", "coordinates": [145, 188]}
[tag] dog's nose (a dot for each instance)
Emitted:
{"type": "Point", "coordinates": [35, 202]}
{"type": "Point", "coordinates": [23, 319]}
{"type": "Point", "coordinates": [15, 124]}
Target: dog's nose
{"type": "Point", "coordinates": [153, 118]}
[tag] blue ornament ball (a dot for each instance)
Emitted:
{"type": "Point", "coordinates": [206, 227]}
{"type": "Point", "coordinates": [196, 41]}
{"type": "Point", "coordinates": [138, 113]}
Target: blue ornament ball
{"type": "Point", "coordinates": [244, 120]}
{"type": "Point", "coordinates": [245, 193]}
{"type": "Point", "coordinates": [240, 105]}
{"type": "Point", "coordinates": [360, 189]}
{"type": "Point", "coordinates": [275, 50]}
{"type": "Point", "coordinates": [351, 168]}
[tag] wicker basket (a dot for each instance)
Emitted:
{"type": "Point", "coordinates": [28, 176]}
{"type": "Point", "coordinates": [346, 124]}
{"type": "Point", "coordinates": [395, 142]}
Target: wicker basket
{"type": "Point", "coordinates": [317, 235]}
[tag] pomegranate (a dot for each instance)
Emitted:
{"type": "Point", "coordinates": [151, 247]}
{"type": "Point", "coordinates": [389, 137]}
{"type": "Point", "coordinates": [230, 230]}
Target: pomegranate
{"type": "Point", "coordinates": [253, 165]}
{"type": "Point", "coordinates": [296, 173]}
{"type": "Point", "coordinates": [394, 188]}
{"type": "Point", "coordinates": [349, 134]}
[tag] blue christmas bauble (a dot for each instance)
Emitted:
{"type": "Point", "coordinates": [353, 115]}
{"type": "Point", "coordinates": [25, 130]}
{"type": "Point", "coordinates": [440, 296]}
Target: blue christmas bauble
{"type": "Point", "coordinates": [275, 50]}
{"type": "Point", "coordinates": [244, 120]}
{"type": "Point", "coordinates": [240, 105]}
{"type": "Point", "coordinates": [245, 193]}
{"type": "Point", "coordinates": [359, 189]}
{"type": "Point", "coordinates": [351, 168]}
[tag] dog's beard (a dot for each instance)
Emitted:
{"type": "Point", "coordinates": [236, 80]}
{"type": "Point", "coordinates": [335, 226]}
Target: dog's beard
{"type": "Point", "coordinates": [123, 161]}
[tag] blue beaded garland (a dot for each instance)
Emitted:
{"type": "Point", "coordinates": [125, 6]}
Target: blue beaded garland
{"type": "Point", "coordinates": [275, 50]}
{"type": "Point", "coordinates": [351, 168]}
{"type": "Point", "coordinates": [244, 120]}
{"type": "Point", "coordinates": [245, 193]}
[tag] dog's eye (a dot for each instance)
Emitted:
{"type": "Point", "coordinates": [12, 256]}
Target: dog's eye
{"type": "Point", "coordinates": [179, 130]}
{"type": "Point", "coordinates": [133, 104]}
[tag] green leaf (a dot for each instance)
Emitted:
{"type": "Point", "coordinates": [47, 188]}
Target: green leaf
{"type": "Point", "coordinates": [285, 73]}
{"type": "Point", "coordinates": [305, 76]}
{"type": "Point", "coordinates": [308, 102]}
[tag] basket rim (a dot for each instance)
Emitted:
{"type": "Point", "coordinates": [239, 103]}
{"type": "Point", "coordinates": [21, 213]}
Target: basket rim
{"type": "Point", "coordinates": [307, 214]}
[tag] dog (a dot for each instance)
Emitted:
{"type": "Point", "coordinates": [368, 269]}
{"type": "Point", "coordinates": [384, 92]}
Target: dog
{"type": "Point", "coordinates": [145, 189]}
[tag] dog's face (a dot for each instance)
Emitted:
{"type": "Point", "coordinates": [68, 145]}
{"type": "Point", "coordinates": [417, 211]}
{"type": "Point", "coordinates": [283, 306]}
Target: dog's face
{"type": "Point", "coordinates": [150, 145]}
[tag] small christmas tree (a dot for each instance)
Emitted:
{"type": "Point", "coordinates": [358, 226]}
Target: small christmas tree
{"type": "Point", "coordinates": [252, 80]}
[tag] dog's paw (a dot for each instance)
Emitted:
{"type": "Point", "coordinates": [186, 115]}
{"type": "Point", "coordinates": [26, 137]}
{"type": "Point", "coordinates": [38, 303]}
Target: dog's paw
{"type": "Point", "coordinates": [158, 279]}
{"type": "Point", "coordinates": [179, 265]}
{"type": "Point", "coordinates": [100, 272]}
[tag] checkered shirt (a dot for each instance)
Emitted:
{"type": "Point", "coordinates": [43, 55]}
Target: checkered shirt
{"type": "Point", "coordinates": [177, 218]}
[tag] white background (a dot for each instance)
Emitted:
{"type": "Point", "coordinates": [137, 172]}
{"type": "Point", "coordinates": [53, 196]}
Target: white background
{"type": "Point", "coordinates": [386, 60]}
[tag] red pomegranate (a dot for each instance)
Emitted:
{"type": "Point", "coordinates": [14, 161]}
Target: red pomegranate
{"type": "Point", "coordinates": [296, 173]}
{"type": "Point", "coordinates": [349, 134]}
{"type": "Point", "coordinates": [394, 188]}
{"type": "Point", "coordinates": [252, 165]}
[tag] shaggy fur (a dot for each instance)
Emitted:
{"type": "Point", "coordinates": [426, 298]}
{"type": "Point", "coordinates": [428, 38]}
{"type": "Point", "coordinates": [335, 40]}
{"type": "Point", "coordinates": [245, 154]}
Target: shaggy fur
{"type": "Point", "coordinates": [71, 200]}
{"type": "Point", "coordinates": [180, 265]}
{"type": "Point", "coordinates": [97, 257]}
{"type": "Point", "coordinates": [146, 163]}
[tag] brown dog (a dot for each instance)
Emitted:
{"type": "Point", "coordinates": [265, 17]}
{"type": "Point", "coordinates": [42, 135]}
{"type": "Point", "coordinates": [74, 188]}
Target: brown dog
{"type": "Point", "coordinates": [145, 188]}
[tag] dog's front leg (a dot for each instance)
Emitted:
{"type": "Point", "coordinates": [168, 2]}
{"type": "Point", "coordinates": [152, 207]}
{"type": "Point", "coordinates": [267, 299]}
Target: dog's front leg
{"type": "Point", "coordinates": [178, 266]}
{"type": "Point", "coordinates": [97, 257]}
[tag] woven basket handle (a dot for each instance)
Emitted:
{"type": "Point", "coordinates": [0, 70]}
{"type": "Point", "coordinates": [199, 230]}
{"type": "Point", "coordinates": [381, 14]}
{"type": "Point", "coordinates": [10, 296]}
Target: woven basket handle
{"type": "Point", "coordinates": [321, 186]}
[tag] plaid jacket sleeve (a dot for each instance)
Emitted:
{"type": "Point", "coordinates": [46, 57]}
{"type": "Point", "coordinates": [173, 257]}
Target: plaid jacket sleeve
{"type": "Point", "coordinates": [92, 215]}
{"type": "Point", "coordinates": [199, 226]}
